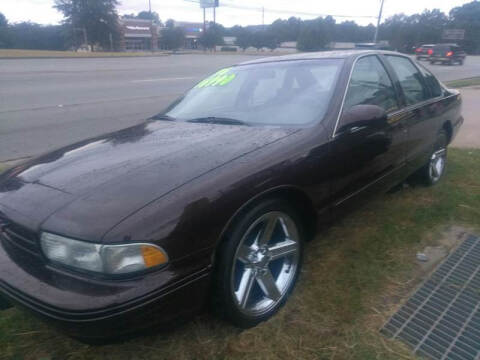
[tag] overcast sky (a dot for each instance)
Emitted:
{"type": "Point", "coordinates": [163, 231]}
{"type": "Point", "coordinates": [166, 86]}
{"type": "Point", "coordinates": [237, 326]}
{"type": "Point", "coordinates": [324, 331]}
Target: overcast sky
{"type": "Point", "coordinates": [41, 11]}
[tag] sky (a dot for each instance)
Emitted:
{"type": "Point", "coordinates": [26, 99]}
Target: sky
{"type": "Point", "coordinates": [362, 11]}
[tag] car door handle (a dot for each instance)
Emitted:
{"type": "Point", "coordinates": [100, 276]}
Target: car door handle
{"type": "Point", "coordinates": [355, 129]}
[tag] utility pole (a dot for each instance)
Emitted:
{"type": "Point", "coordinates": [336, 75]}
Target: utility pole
{"type": "Point", "coordinates": [85, 36]}
{"type": "Point", "coordinates": [375, 38]}
{"type": "Point", "coordinates": [214, 27]}
{"type": "Point", "coordinates": [263, 17]}
{"type": "Point", "coordinates": [150, 7]}
{"type": "Point", "coordinates": [204, 21]}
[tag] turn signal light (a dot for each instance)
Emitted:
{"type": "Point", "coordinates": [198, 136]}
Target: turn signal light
{"type": "Point", "coordinates": [450, 53]}
{"type": "Point", "coordinates": [153, 256]}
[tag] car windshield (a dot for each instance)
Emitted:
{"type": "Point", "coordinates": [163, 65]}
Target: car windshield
{"type": "Point", "coordinates": [288, 93]}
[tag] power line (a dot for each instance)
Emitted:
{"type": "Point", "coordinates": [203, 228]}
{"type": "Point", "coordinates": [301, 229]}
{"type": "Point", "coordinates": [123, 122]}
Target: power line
{"type": "Point", "coordinates": [287, 12]}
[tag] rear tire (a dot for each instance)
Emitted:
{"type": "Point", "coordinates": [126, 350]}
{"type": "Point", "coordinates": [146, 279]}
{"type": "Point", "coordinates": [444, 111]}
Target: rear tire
{"type": "Point", "coordinates": [433, 171]}
{"type": "Point", "coordinates": [259, 263]}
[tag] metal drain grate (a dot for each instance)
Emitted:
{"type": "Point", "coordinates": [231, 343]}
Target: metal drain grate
{"type": "Point", "coordinates": [442, 319]}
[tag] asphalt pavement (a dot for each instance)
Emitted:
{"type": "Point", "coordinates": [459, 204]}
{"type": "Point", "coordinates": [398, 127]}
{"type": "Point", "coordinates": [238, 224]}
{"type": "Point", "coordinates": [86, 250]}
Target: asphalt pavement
{"type": "Point", "coordinates": [48, 103]}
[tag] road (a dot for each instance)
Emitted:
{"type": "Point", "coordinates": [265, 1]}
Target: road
{"type": "Point", "coordinates": [448, 73]}
{"type": "Point", "coordinates": [48, 103]}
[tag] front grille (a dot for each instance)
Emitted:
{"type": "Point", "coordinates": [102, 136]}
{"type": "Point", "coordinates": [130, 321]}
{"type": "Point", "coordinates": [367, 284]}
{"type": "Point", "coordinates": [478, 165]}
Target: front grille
{"type": "Point", "coordinates": [20, 238]}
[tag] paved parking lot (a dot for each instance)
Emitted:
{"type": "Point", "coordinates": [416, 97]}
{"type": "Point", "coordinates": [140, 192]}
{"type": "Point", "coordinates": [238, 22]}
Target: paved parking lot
{"type": "Point", "coordinates": [469, 135]}
{"type": "Point", "coordinates": [47, 103]}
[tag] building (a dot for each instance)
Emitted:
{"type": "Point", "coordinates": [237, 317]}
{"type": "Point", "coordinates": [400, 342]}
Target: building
{"type": "Point", "coordinates": [139, 35]}
{"type": "Point", "coordinates": [341, 45]}
{"type": "Point", "coordinates": [145, 35]}
{"type": "Point", "coordinates": [193, 32]}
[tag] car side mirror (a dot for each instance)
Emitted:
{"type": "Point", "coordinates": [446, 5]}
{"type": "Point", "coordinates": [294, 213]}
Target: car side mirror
{"type": "Point", "coordinates": [359, 117]}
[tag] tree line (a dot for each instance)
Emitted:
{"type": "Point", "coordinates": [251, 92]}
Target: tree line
{"type": "Point", "coordinates": [97, 23]}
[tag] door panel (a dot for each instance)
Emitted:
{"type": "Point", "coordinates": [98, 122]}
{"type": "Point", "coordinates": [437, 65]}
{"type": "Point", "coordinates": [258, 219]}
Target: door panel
{"type": "Point", "coordinates": [371, 157]}
{"type": "Point", "coordinates": [423, 110]}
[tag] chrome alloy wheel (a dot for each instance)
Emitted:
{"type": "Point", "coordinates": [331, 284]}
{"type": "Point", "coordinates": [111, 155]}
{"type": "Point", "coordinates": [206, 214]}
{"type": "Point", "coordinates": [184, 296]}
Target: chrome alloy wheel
{"type": "Point", "coordinates": [437, 164]}
{"type": "Point", "coordinates": [265, 264]}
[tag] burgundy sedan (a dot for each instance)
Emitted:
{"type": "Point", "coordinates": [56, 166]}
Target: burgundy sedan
{"type": "Point", "coordinates": [212, 201]}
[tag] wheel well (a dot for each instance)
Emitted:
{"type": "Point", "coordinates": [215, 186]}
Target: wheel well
{"type": "Point", "coordinates": [447, 126]}
{"type": "Point", "coordinates": [297, 198]}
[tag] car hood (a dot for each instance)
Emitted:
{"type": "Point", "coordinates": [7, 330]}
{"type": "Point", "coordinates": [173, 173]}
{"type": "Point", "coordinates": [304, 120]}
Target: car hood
{"type": "Point", "coordinates": [83, 190]}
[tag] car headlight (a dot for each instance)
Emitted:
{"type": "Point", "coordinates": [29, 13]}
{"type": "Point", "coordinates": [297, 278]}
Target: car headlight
{"type": "Point", "coordinates": [106, 259]}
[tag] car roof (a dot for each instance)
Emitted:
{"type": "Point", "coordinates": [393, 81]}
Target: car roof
{"type": "Point", "coordinates": [341, 54]}
{"type": "Point", "coordinates": [447, 44]}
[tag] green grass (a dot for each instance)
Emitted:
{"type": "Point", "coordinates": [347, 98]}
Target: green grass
{"type": "Point", "coordinates": [355, 275]}
{"type": "Point", "coordinates": [464, 82]}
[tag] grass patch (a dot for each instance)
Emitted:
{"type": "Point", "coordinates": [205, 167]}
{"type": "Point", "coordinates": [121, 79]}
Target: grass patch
{"type": "Point", "coordinates": [19, 53]}
{"type": "Point", "coordinates": [354, 275]}
{"type": "Point", "coordinates": [464, 82]}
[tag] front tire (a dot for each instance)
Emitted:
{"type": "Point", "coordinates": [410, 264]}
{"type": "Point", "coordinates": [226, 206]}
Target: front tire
{"type": "Point", "coordinates": [259, 263]}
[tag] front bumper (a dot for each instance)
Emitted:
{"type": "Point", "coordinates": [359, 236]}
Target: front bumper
{"type": "Point", "coordinates": [96, 308]}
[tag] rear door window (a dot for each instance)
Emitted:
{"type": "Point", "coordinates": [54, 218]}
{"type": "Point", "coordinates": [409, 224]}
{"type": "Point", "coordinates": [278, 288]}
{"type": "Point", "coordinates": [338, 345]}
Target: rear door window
{"type": "Point", "coordinates": [411, 80]}
{"type": "Point", "coordinates": [370, 85]}
{"type": "Point", "coordinates": [432, 83]}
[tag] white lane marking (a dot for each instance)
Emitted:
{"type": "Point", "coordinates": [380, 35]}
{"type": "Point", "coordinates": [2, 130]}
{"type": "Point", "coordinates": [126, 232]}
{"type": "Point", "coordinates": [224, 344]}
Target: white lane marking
{"type": "Point", "coordinates": [163, 79]}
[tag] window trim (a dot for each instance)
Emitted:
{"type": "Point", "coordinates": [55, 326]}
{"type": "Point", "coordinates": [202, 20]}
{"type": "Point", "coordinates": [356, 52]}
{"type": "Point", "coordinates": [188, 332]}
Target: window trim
{"type": "Point", "coordinates": [334, 134]}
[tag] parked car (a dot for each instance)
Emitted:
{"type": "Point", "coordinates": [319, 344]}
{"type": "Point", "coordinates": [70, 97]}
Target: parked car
{"type": "Point", "coordinates": [424, 51]}
{"type": "Point", "coordinates": [448, 54]}
{"type": "Point", "coordinates": [212, 200]}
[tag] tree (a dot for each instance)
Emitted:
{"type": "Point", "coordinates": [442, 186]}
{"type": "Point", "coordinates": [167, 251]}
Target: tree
{"type": "Point", "coordinates": [97, 19]}
{"type": "Point", "coordinates": [243, 38]}
{"type": "Point", "coordinates": [405, 32]}
{"type": "Point", "coordinates": [172, 37]}
{"type": "Point", "coordinates": [286, 30]}
{"type": "Point", "coordinates": [144, 15]}
{"type": "Point", "coordinates": [264, 38]}
{"type": "Point", "coordinates": [5, 35]}
{"type": "Point", "coordinates": [316, 34]}
{"type": "Point", "coordinates": [467, 17]}
{"type": "Point", "coordinates": [170, 23]}
{"type": "Point", "coordinates": [3, 21]}
{"type": "Point", "coordinates": [212, 36]}
{"type": "Point", "coordinates": [27, 35]}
